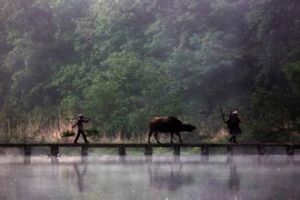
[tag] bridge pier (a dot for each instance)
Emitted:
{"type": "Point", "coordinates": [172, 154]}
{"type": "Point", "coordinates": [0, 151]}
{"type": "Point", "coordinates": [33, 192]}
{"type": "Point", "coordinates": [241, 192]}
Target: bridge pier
{"type": "Point", "coordinates": [176, 150]}
{"type": "Point", "coordinates": [122, 151]}
{"type": "Point", "coordinates": [54, 150]}
{"type": "Point", "coordinates": [261, 149]}
{"type": "Point", "coordinates": [290, 150]}
{"type": "Point", "coordinates": [229, 150]}
{"type": "Point", "coordinates": [27, 160]}
{"type": "Point", "coordinates": [148, 150]}
{"type": "Point", "coordinates": [84, 150]}
{"type": "Point", "coordinates": [27, 150]}
{"type": "Point", "coordinates": [204, 150]}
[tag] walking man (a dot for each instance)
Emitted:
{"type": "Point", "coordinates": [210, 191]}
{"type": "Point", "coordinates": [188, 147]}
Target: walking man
{"type": "Point", "coordinates": [79, 125]}
{"type": "Point", "coordinates": [233, 124]}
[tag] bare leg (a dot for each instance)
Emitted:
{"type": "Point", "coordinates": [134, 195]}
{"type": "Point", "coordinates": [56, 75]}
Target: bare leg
{"type": "Point", "coordinates": [232, 139]}
{"type": "Point", "coordinates": [77, 136]}
{"type": "Point", "coordinates": [84, 137]}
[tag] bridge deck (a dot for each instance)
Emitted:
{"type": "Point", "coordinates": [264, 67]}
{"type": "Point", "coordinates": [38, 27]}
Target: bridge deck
{"type": "Point", "coordinates": [260, 147]}
{"type": "Point", "coordinates": [138, 145]}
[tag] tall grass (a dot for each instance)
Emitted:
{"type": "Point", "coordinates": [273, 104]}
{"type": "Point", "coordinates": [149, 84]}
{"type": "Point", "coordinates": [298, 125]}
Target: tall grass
{"type": "Point", "coordinates": [39, 131]}
{"type": "Point", "coordinates": [34, 131]}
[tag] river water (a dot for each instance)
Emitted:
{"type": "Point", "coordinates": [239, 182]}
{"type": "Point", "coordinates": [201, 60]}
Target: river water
{"type": "Point", "coordinates": [217, 177]}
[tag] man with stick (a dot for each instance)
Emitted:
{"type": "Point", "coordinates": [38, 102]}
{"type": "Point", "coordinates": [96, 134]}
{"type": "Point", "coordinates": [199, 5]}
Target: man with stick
{"type": "Point", "coordinates": [79, 125]}
{"type": "Point", "coordinates": [233, 124]}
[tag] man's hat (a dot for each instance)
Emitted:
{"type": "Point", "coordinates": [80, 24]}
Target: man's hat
{"type": "Point", "coordinates": [80, 115]}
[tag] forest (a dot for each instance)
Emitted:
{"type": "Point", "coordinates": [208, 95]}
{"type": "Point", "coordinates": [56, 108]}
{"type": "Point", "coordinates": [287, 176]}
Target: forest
{"type": "Point", "coordinates": [122, 62]}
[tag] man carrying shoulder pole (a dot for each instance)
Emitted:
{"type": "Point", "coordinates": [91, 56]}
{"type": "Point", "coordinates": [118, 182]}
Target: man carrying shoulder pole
{"type": "Point", "coordinates": [232, 124]}
{"type": "Point", "coordinates": [79, 125]}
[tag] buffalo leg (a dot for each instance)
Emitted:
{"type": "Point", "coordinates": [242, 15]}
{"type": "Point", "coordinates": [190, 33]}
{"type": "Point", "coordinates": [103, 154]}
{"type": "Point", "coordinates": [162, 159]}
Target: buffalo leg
{"type": "Point", "coordinates": [171, 138]}
{"type": "Point", "coordinates": [149, 136]}
{"type": "Point", "coordinates": [178, 134]}
{"type": "Point", "coordinates": [155, 135]}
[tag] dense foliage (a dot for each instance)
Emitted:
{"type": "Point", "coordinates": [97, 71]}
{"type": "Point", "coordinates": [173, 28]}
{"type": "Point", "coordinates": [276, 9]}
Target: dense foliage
{"type": "Point", "coordinates": [122, 62]}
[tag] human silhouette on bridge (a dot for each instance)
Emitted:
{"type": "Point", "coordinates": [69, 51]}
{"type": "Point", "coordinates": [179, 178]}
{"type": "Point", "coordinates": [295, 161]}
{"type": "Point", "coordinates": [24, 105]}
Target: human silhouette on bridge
{"type": "Point", "coordinates": [79, 125]}
{"type": "Point", "coordinates": [233, 124]}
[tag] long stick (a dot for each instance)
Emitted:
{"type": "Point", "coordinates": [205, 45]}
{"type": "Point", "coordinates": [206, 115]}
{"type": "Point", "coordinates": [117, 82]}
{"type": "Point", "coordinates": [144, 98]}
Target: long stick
{"type": "Point", "coordinates": [222, 114]}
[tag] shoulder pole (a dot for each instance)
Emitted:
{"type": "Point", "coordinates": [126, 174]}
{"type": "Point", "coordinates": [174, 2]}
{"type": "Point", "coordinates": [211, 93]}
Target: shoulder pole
{"type": "Point", "coordinates": [222, 114]}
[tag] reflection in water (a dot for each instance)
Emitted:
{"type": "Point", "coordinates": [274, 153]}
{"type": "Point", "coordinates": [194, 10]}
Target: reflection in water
{"type": "Point", "coordinates": [234, 181]}
{"type": "Point", "coordinates": [151, 178]}
{"type": "Point", "coordinates": [54, 159]}
{"type": "Point", "coordinates": [170, 178]}
{"type": "Point", "coordinates": [80, 170]}
{"type": "Point", "coordinates": [80, 173]}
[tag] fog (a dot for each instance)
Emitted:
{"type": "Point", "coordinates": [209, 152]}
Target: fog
{"type": "Point", "coordinates": [123, 62]}
{"type": "Point", "coordinates": [157, 177]}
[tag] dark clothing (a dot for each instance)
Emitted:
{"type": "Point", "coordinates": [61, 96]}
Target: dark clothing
{"type": "Point", "coordinates": [79, 124]}
{"type": "Point", "coordinates": [234, 128]}
{"type": "Point", "coordinates": [233, 139]}
{"type": "Point", "coordinates": [83, 134]}
{"type": "Point", "coordinates": [233, 125]}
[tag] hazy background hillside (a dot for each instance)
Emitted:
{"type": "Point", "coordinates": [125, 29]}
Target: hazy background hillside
{"type": "Point", "coordinates": [121, 62]}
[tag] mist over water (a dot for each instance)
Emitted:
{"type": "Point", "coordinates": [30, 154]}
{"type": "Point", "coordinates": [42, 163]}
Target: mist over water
{"type": "Point", "coordinates": [121, 63]}
{"type": "Point", "coordinates": [156, 177]}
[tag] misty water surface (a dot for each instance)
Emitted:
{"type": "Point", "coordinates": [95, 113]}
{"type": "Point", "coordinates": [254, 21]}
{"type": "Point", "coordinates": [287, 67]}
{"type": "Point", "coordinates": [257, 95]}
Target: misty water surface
{"type": "Point", "coordinates": [157, 177]}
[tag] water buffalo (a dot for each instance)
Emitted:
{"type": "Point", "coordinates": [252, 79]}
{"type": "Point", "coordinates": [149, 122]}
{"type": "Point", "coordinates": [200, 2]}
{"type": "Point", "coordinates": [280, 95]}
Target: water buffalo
{"type": "Point", "coordinates": [168, 125]}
